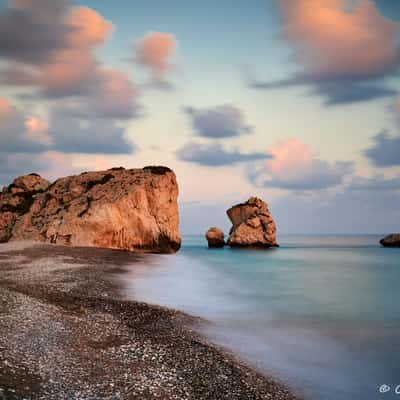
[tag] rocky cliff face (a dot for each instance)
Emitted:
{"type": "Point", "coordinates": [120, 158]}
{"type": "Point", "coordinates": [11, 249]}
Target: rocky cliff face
{"type": "Point", "coordinates": [133, 209]}
{"type": "Point", "coordinates": [252, 225]}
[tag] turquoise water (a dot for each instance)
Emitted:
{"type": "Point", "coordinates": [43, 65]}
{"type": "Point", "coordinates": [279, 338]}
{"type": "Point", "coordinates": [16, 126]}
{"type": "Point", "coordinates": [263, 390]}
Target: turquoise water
{"type": "Point", "coordinates": [321, 313]}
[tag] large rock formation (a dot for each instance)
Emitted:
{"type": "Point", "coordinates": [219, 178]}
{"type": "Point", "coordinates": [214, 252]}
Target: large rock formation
{"type": "Point", "coordinates": [252, 225]}
{"type": "Point", "coordinates": [392, 240]}
{"type": "Point", "coordinates": [133, 209]}
{"type": "Point", "coordinates": [215, 237]}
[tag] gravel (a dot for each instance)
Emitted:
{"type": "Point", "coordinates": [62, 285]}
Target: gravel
{"type": "Point", "coordinates": [66, 333]}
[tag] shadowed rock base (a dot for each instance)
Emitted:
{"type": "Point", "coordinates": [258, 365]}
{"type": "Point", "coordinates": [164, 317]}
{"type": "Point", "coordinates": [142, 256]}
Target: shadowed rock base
{"type": "Point", "coordinates": [215, 238]}
{"type": "Point", "coordinates": [392, 240]}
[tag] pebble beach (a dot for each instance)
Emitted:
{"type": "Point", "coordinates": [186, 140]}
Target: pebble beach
{"type": "Point", "coordinates": [67, 333]}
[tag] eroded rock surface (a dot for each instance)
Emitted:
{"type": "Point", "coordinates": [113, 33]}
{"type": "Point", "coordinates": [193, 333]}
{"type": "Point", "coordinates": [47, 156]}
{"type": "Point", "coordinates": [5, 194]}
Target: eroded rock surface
{"type": "Point", "coordinates": [133, 209]}
{"type": "Point", "coordinates": [252, 225]}
{"type": "Point", "coordinates": [392, 240]}
{"type": "Point", "coordinates": [215, 237]}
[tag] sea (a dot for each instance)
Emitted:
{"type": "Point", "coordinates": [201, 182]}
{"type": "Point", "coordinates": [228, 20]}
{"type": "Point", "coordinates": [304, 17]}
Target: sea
{"type": "Point", "coordinates": [321, 314]}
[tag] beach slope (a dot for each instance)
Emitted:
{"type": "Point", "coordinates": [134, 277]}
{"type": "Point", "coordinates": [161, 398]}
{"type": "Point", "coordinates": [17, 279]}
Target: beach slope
{"type": "Point", "coordinates": [66, 333]}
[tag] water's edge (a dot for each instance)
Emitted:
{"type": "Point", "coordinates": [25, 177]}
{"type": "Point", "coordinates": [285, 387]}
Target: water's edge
{"type": "Point", "coordinates": [321, 317]}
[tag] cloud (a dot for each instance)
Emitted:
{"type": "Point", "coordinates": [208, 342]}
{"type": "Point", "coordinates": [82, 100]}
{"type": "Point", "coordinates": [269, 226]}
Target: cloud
{"type": "Point", "coordinates": [114, 97]}
{"type": "Point", "coordinates": [219, 122]}
{"type": "Point", "coordinates": [377, 183]}
{"type": "Point", "coordinates": [70, 72]}
{"type": "Point", "coordinates": [65, 132]}
{"type": "Point", "coordinates": [155, 51]}
{"type": "Point", "coordinates": [74, 135]}
{"type": "Point", "coordinates": [70, 68]}
{"type": "Point", "coordinates": [74, 70]}
{"type": "Point", "coordinates": [345, 211]}
{"type": "Point", "coordinates": [386, 150]}
{"type": "Point", "coordinates": [50, 42]}
{"type": "Point", "coordinates": [293, 167]}
{"type": "Point", "coordinates": [50, 164]}
{"type": "Point", "coordinates": [350, 92]}
{"type": "Point", "coordinates": [37, 130]}
{"type": "Point", "coordinates": [215, 155]}
{"type": "Point", "coordinates": [90, 102]}
{"type": "Point", "coordinates": [31, 30]}
{"type": "Point", "coordinates": [88, 28]}
{"type": "Point", "coordinates": [13, 165]}
{"type": "Point", "coordinates": [19, 133]}
{"type": "Point", "coordinates": [330, 42]}
{"type": "Point", "coordinates": [334, 91]}
{"type": "Point", "coordinates": [6, 110]}
{"type": "Point", "coordinates": [43, 10]}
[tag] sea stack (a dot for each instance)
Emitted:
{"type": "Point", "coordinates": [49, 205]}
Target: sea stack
{"type": "Point", "coordinates": [215, 237]}
{"type": "Point", "coordinates": [392, 240]}
{"type": "Point", "coordinates": [252, 225]}
{"type": "Point", "coordinates": [129, 209]}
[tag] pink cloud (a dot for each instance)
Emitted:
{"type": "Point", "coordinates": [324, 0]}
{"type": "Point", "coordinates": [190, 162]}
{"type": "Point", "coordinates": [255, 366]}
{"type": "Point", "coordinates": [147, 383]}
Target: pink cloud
{"type": "Point", "coordinates": [71, 68]}
{"type": "Point", "coordinates": [37, 130]}
{"type": "Point", "coordinates": [55, 53]}
{"type": "Point", "coordinates": [58, 164]}
{"type": "Point", "coordinates": [290, 157]}
{"type": "Point", "coordinates": [6, 110]}
{"type": "Point", "coordinates": [72, 71]}
{"type": "Point", "coordinates": [93, 163]}
{"type": "Point", "coordinates": [89, 28]}
{"type": "Point", "coordinates": [396, 105]}
{"type": "Point", "coordinates": [67, 71]}
{"type": "Point", "coordinates": [155, 51]}
{"type": "Point", "coordinates": [101, 163]}
{"type": "Point", "coordinates": [117, 93]}
{"type": "Point", "coordinates": [20, 132]}
{"type": "Point", "coordinates": [333, 41]}
{"type": "Point", "coordinates": [294, 167]}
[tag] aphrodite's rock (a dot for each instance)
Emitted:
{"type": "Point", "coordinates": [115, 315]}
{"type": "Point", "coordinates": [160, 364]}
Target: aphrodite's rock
{"type": "Point", "coordinates": [133, 209]}
{"type": "Point", "coordinates": [215, 237]}
{"type": "Point", "coordinates": [392, 240]}
{"type": "Point", "coordinates": [252, 225]}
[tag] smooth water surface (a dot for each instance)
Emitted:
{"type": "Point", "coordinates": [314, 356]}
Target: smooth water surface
{"type": "Point", "coordinates": [321, 313]}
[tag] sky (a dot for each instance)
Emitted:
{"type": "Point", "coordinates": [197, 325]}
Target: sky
{"type": "Point", "coordinates": [293, 101]}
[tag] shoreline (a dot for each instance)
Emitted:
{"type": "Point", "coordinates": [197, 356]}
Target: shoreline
{"type": "Point", "coordinates": [67, 334]}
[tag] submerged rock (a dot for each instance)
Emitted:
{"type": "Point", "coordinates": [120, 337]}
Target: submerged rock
{"type": "Point", "coordinates": [252, 225]}
{"type": "Point", "coordinates": [215, 237]}
{"type": "Point", "coordinates": [392, 240]}
{"type": "Point", "coordinates": [130, 209]}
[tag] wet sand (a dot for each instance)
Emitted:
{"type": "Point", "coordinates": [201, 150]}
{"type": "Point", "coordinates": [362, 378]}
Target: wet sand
{"type": "Point", "coordinates": [66, 333]}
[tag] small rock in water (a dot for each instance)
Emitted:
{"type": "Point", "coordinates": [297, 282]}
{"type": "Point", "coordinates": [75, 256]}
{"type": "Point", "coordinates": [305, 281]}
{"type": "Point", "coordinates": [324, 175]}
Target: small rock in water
{"type": "Point", "coordinates": [215, 237]}
{"type": "Point", "coordinates": [392, 240]}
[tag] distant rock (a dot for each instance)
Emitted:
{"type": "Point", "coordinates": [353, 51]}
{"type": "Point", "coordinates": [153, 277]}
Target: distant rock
{"type": "Point", "coordinates": [392, 240]}
{"type": "Point", "coordinates": [252, 225]}
{"type": "Point", "coordinates": [130, 209]}
{"type": "Point", "coordinates": [215, 237]}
